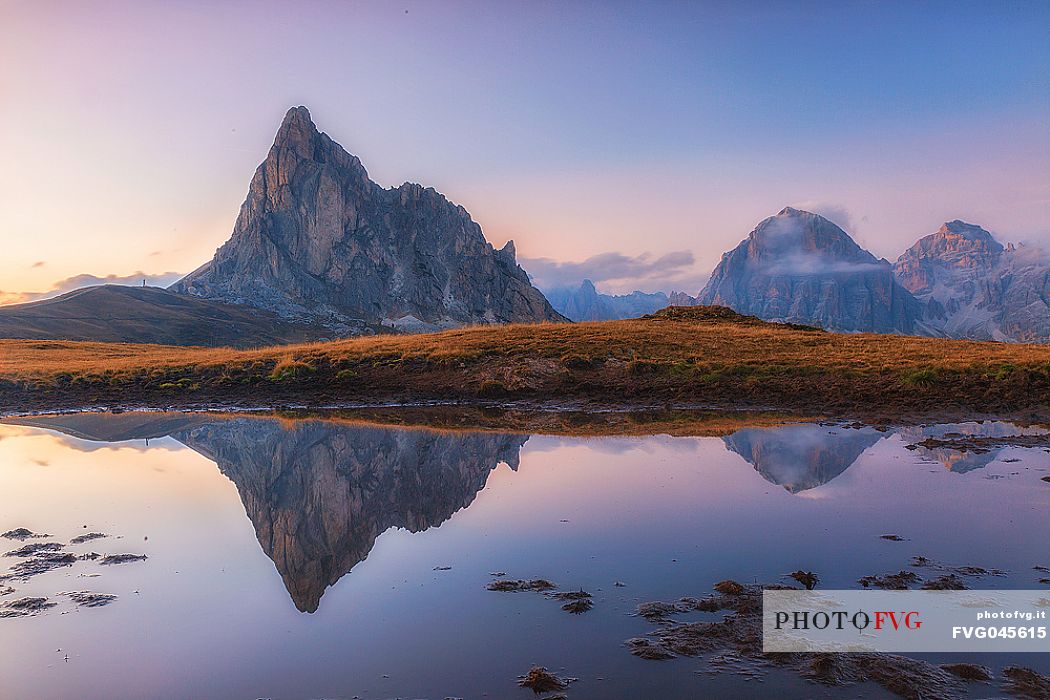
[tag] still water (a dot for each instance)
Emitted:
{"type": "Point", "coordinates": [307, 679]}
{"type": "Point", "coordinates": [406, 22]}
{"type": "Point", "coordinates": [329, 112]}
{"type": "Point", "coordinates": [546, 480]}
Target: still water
{"type": "Point", "coordinates": [319, 558]}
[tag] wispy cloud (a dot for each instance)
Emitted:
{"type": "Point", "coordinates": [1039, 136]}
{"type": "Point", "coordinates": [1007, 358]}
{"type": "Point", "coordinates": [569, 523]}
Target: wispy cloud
{"type": "Point", "coordinates": [617, 272]}
{"type": "Point", "coordinates": [162, 279]}
{"type": "Point", "coordinates": [37, 264]}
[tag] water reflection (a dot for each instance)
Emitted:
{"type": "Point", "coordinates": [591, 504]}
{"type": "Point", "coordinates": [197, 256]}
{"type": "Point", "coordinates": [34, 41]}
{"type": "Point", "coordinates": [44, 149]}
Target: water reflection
{"type": "Point", "coordinates": [667, 516]}
{"type": "Point", "coordinates": [802, 456]}
{"type": "Point", "coordinates": [320, 492]}
{"type": "Point", "coordinates": [962, 461]}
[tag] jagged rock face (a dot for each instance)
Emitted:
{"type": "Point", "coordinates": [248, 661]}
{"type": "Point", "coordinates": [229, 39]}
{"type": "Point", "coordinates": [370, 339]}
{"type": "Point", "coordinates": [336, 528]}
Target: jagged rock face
{"type": "Point", "coordinates": [973, 287]}
{"type": "Point", "coordinates": [956, 246]}
{"type": "Point", "coordinates": [801, 457]}
{"type": "Point", "coordinates": [586, 303]}
{"type": "Point", "coordinates": [320, 493]}
{"type": "Point", "coordinates": [317, 239]}
{"type": "Point", "coordinates": [800, 267]}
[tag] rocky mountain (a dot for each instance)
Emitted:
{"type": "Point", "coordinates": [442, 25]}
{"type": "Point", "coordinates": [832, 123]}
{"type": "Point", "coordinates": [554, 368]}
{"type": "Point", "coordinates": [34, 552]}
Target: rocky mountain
{"type": "Point", "coordinates": [317, 239]}
{"type": "Point", "coordinates": [973, 287]}
{"type": "Point", "coordinates": [586, 303]}
{"type": "Point", "coordinates": [119, 314]}
{"type": "Point", "coordinates": [801, 268]}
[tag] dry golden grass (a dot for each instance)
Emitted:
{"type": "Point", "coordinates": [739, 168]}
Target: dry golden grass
{"type": "Point", "coordinates": [679, 357]}
{"type": "Point", "coordinates": [726, 345]}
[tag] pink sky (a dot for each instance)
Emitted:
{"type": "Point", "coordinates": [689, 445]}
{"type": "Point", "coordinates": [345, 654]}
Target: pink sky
{"type": "Point", "coordinates": [131, 130]}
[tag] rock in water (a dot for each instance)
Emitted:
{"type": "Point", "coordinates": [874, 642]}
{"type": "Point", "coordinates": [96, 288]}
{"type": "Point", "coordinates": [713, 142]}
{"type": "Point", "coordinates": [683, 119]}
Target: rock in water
{"type": "Point", "coordinates": [801, 268]}
{"type": "Point", "coordinates": [317, 240]}
{"type": "Point", "coordinates": [973, 287]}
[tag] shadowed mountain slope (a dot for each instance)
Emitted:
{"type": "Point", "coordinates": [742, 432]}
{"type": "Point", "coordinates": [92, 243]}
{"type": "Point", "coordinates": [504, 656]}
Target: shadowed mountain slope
{"type": "Point", "coordinates": [120, 314]}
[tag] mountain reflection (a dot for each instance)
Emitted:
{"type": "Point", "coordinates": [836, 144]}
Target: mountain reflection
{"type": "Point", "coordinates": [801, 456]}
{"type": "Point", "coordinates": [319, 492]}
{"type": "Point", "coordinates": [960, 461]}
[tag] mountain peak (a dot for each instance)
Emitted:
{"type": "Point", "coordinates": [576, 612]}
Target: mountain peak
{"type": "Point", "coordinates": [971, 232]}
{"type": "Point", "coordinates": [973, 287]}
{"type": "Point", "coordinates": [793, 232]}
{"type": "Point", "coordinates": [955, 249]}
{"type": "Point", "coordinates": [799, 266]}
{"type": "Point", "coordinates": [298, 114]}
{"type": "Point", "coordinates": [955, 243]}
{"type": "Point", "coordinates": [297, 132]}
{"type": "Point", "coordinates": [316, 239]}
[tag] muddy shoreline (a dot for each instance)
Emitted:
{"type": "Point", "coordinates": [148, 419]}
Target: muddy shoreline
{"type": "Point", "coordinates": [531, 413]}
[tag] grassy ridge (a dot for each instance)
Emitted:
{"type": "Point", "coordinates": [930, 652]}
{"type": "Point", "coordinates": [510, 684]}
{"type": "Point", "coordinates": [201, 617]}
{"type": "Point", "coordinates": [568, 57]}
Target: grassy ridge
{"type": "Point", "coordinates": [706, 356]}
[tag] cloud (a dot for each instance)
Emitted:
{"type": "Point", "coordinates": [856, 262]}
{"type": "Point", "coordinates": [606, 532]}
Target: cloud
{"type": "Point", "coordinates": [13, 297]}
{"type": "Point", "coordinates": [162, 279]}
{"type": "Point", "coordinates": [37, 264]}
{"type": "Point", "coordinates": [816, 264]}
{"type": "Point", "coordinates": [617, 272]}
{"type": "Point", "coordinates": [784, 253]}
{"type": "Point", "coordinates": [836, 213]}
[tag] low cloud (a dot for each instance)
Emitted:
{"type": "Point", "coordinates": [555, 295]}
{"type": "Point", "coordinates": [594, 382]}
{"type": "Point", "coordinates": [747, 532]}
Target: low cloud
{"type": "Point", "coordinates": [785, 254]}
{"type": "Point", "coordinates": [617, 272]}
{"type": "Point", "coordinates": [77, 281]}
{"type": "Point", "coordinates": [815, 264]}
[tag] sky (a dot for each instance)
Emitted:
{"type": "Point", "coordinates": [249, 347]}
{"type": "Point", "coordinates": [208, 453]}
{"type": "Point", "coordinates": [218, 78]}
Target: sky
{"type": "Point", "coordinates": [632, 143]}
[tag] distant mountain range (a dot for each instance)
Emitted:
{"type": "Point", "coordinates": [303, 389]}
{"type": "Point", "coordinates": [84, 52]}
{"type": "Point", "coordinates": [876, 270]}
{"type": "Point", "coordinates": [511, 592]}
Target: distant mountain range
{"type": "Point", "coordinates": [799, 267]}
{"type": "Point", "coordinates": [958, 282]}
{"type": "Point", "coordinates": [586, 303]}
{"type": "Point", "coordinates": [319, 250]}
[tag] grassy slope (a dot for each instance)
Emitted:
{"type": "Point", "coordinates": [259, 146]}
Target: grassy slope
{"type": "Point", "coordinates": [681, 356]}
{"type": "Point", "coordinates": [112, 313]}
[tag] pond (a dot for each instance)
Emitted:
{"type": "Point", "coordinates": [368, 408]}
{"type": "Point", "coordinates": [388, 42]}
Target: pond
{"type": "Point", "coordinates": [325, 557]}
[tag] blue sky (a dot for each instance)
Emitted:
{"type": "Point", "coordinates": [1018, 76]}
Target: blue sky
{"type": "Point", "coordinates": [131, 129]}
